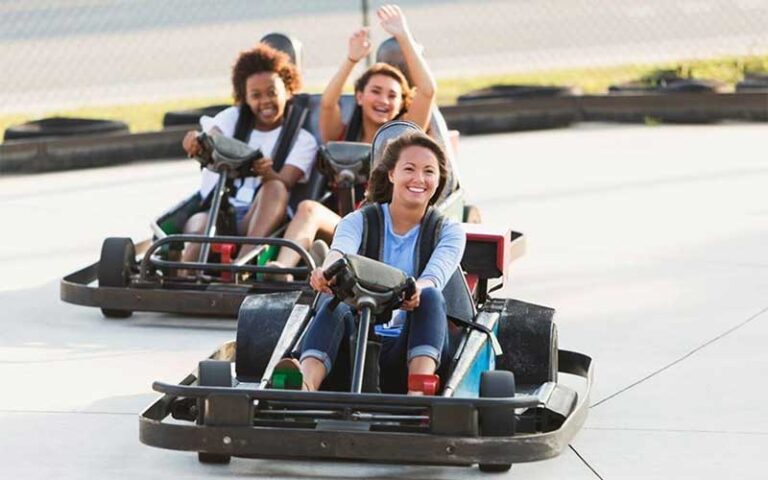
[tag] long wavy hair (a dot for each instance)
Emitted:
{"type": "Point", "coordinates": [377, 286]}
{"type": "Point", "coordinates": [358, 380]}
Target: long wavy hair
{"type": "Point", "coordinates": [379, 186]}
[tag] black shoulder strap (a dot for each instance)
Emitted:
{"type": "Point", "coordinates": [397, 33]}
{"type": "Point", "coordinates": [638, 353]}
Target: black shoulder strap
{"type": "Point", "coordinates": [429, 234]}
{"type": "Point", "coordinates": [245, 123]}
{"type": "Point", "coordinates": [290, 131]}
{"type": "Point", "coordinates": [373, 232]}
{"type": "Point", "coordinates": [355, 125]}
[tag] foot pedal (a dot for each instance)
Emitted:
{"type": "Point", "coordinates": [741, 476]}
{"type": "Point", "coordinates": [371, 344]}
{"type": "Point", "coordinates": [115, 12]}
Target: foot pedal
{"type": "Point", "coordinates": [427, 384]}
{"type": "Point", "coordinates": [287, 379]}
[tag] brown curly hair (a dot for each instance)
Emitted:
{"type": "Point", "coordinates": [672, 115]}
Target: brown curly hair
{"type": "Point", "coordinates": [263, 58]}
{"type": "Point", "coordinates": [392, 72]}
{"type": "Point", "coordinates": [379, 186]}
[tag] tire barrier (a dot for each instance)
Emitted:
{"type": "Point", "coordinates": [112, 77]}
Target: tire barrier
{"type": "Point", "coordinates": [190, 118]}
{"type": "Point", "coordinates": [54, 127]}
{"type": "Point", "coordinates": [486, 116]}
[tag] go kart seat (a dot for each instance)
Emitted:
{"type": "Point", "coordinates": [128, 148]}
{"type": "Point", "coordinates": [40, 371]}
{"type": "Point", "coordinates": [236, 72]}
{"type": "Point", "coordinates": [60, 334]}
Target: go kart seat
{"type": "Point", "coordinates": [389, 52]}
{"type": "Point", "coordinates": [315, 187]}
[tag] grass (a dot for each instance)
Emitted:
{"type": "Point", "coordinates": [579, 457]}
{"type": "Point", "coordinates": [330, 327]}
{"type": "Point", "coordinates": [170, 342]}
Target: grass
{"type": "Point", "coordinates": [149, 116]}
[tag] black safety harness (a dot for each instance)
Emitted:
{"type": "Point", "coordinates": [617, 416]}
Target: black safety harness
{"type": "Point", "coordinates": [372, 246]}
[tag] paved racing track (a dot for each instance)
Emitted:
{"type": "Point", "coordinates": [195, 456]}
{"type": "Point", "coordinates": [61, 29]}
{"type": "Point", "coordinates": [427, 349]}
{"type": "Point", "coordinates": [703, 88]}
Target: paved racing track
{"type": "Point", "coordinates": [649, 241]}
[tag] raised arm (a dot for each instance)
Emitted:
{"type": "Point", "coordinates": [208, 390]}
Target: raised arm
{"type": "Point", "coordinates": [393, 21]}
{"type": "Point", "coordinates": [331, 126]}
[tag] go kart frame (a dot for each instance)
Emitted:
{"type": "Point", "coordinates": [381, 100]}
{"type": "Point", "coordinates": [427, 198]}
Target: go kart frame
{"type": "Point", "coordinates": [502, 401]}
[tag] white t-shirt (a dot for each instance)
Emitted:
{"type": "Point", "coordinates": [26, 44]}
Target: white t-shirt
{"type": "Point", "coordinates": [301, 156]}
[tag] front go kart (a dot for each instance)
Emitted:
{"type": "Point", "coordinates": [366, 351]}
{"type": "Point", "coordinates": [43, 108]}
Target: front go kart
{"type": "Point", "coordinates": [504, 399]}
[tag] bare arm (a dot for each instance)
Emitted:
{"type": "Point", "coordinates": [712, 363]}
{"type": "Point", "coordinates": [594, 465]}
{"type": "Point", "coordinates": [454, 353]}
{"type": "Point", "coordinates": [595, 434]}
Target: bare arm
{"type": "Point", "coordinates": [331, 126]}
{"type": "Point", "coordinates": [393, 21]}
{"type": "Point", "coordinates": [289, 174]}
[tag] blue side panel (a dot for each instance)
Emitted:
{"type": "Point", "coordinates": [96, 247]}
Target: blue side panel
{"type": "Point", "coordinates": [469, 387]}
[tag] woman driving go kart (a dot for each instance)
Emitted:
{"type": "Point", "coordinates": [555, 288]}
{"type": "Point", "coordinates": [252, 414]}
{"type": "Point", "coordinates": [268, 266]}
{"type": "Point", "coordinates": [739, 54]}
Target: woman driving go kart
{"type": "Point", "coordinates": [403, 185]}
{"type": "Point", "coordinates": [263, 80]}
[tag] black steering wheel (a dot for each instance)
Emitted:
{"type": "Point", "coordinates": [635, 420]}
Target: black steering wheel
{"type": "Point", "coordinates": [360, 281]}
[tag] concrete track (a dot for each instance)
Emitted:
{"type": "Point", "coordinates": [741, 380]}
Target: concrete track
{"type": "Point", "coordinates": [650, 242]}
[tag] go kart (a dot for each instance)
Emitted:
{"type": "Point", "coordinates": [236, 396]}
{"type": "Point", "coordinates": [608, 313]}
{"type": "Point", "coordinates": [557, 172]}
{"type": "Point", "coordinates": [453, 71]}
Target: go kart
{"type": "Point", "coordinates": [502, 401]}
{"type": "Point", "coordinates": [156, 279]}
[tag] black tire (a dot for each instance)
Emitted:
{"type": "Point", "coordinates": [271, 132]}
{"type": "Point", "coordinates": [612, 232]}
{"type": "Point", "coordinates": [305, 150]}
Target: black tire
{"type": "Point", "coordinates": [214, 373]}
{"type": "Point", "coordinates": [496, 422]}
{"type": "Point", "coordinates": [190, 117]}
{"type": "Point", "coordinates": [260, 323]}
{"type": "Point", "coordinates": [472, 214]}
{"type": "Point", "coordinates": [118, 256]}
{"type": "Point", "coordinates": [511, 92]}
{"type": "Point", "coordinates": [528, 336]}
{"type": "Point", "coordinates": [213, 458]}
{"type": "Point", "coordinates": [63, 127]}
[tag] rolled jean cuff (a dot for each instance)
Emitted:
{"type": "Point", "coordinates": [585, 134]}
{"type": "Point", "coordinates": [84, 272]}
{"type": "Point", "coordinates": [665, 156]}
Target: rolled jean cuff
{"type": "Point", "coordinates": [318, 355]}
{"type": "Point", "coordinates": [424, 351]}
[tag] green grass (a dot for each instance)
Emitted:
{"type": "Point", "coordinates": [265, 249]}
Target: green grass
{"type": "Point", "coordinates": [149, 116]}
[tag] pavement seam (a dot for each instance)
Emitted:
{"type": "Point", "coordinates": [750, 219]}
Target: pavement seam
{"type": "Point", "coordinates": [675, 362]}
{"type": "Point", "coordinates": [66, 412]}
{"type": "Point", "coordinates": [675, 430]}
{"type": "Point", "coordinates": [585, 462]}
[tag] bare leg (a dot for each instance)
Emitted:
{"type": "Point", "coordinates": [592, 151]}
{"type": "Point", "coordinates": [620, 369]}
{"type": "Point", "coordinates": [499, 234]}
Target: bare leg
{"type": "Point", "coordinates": [313, 372]}
{"type": "Point", "coordinates": [312, 219]}
{"type": "Point", "coordinates": [195, 226]}
{"type": "Point", "coordinates": [266, 212]}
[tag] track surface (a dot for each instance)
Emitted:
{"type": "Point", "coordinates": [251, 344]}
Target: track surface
{"type": "Point", "coordinates": [650, 242]}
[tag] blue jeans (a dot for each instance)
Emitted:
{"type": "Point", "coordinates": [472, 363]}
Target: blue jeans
{"type": "Point", "coordinates": [425, 333]}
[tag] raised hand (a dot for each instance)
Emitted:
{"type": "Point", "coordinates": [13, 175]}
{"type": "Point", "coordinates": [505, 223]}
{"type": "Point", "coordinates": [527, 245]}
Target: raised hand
{"type": "Point", "coordinates": [359, 45]}
{"type": "Point", "coordinates": [392, 20]}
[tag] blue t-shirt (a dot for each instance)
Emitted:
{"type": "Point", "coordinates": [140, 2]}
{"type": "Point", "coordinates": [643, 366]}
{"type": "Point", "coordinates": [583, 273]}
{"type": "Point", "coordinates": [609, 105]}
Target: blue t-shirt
{"type": "Point", "coordinates": [400, 250]}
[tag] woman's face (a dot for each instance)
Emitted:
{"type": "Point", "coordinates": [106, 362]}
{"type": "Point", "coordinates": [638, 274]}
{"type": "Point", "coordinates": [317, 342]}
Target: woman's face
{"type": "Point", "coordinates": [415, 177]}
{"type": "Point", "coordinates": [381, 99]}
{"type": "Point", "coordinates": [266, 94]}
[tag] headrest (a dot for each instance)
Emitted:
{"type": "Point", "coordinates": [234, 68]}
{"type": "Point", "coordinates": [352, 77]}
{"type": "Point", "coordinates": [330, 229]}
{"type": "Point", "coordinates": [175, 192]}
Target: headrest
{"type": "Point", "coordinates": [389, 52]}
{"type": "Point", "coordinates": [388, 132]}
{"type": "Point", "coordinates": [286, 44]}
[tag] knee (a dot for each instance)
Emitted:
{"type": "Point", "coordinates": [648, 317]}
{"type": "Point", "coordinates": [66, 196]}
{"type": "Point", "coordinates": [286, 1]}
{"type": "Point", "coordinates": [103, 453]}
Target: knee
{"type": "Point", "coordinates": [275, 190]}
{"type": "Point", "coordinates": [431, 296]}
{"type": "Point", "coordinates": [307, 209]}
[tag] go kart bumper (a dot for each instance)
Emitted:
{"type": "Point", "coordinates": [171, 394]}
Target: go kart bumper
{"type": "Point", "coordinates": [451, 436]}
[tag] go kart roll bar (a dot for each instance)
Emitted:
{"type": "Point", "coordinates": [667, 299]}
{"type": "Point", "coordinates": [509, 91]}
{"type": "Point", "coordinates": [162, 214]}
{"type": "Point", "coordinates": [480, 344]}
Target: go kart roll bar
{"type": "Point", "coordinates": [148, 260]}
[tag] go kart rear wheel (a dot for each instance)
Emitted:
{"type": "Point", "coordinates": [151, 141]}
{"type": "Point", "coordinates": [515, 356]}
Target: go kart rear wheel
{"type": "Point", "coordinates": [118, 256]}
{"type": "Point", "coordinates": [212, 373]}
{"type": "Point", "coordinates": [496, 421]}
{"type": "Point", "coordinates": [213, 458]}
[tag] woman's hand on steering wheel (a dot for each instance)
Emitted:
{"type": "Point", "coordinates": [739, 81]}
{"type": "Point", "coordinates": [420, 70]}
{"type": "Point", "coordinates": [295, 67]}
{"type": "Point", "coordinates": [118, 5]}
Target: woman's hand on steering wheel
{"type": "Point", "coordinates": [318, 281]}
{"type": "Point", "coordinates": [414, 300]}
{"type": "Point", "coordinates": [191, 144]}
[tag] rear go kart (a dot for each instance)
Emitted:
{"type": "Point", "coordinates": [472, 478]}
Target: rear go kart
{"type": "Point", "coordinates": [214, 284]}
{"type": "Point", "coordinates": [503, 400]}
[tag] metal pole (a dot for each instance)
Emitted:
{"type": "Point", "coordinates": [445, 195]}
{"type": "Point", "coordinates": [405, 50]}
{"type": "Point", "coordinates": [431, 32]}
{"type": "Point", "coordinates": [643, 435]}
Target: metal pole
{"type": "Point", "coordinates": [210, 228]}
{"type": "Point", "coordinates": [362, 342]}
{"type": "Point", "coordinates": [367, 23]}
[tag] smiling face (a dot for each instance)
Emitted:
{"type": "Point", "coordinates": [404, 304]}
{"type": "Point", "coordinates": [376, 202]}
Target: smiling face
{"type": "Point", "coordinates": [381, 99]}
{"type": "Point", "coordinates": [415, 177]}
{"type": "Point", "coordinates": [266, 95]}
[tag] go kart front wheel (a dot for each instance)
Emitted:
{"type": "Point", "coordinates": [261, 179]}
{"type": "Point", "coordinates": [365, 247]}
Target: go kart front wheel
{"type": "Point", "coordinates": [118, 256]}
{"type": "Point", "coordinates": [212, 373]}
{"type": "Point", "coordinates": [496, 421]}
